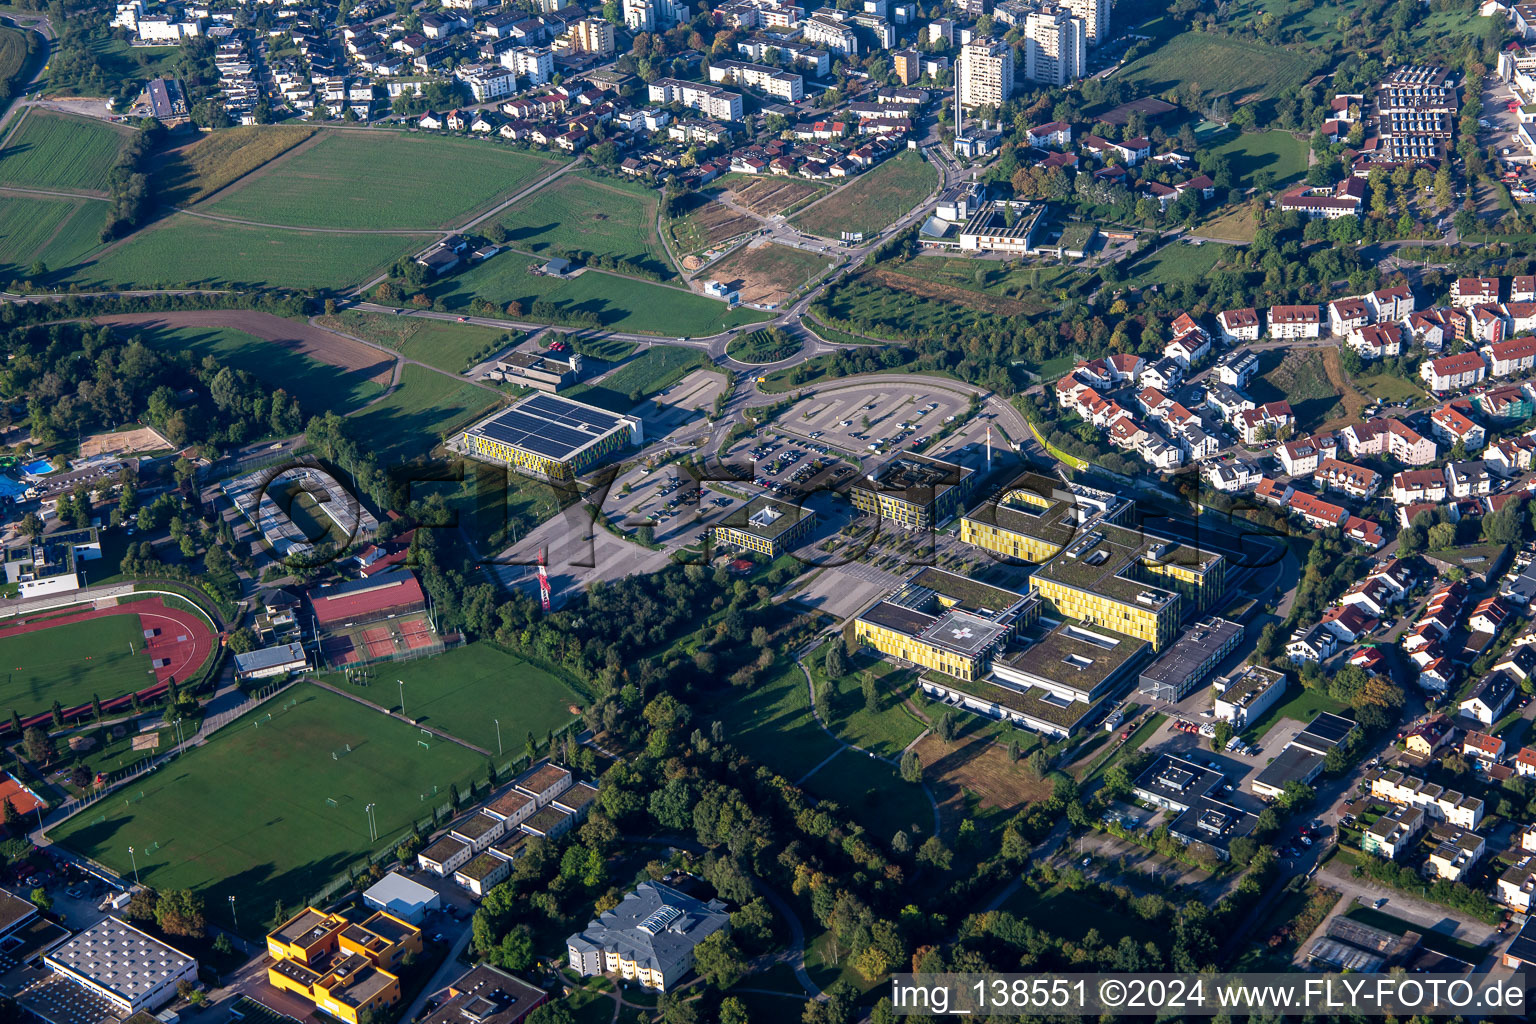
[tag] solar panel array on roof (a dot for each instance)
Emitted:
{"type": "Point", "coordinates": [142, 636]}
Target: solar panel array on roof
{"type": "Point", "coordinates": [550, 426]}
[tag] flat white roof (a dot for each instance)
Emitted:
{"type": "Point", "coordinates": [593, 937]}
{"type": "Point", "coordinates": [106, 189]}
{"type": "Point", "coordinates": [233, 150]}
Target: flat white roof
{"type": "Point", "coordinates": [396, 888]}
{"type": "Point", "coordinates": [121, 959]}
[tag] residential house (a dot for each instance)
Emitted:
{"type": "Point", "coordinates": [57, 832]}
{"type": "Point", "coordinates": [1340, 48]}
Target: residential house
{"type": "Point", "coordinates": [1345, 316]}
{"type": "Point", "coordinates": [1490, 698]}
{"type": "Point", "coordinates": [1467, 292]}
{"type": "Point", "coordinates": [1240, 325]}
{"type": "Point", "coordinates": [1452, 423]}
{"type": "Point", "coordinates": [1453, 373]}
{"type": "Point", "coordinates": [1295, 322]}
{"type": "Point", "coordinates": [1356, 481]}
{"type": "Point", "coordinates": [1483, 747]}
{"type": "Point", "coordinates": [1378, 341]}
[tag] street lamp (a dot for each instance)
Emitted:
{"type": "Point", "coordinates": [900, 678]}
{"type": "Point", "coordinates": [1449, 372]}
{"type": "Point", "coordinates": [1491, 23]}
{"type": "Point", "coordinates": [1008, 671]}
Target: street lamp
{"type": "Point", "coordinates": [498, 736]}
{"type": "Point", "coordinates": [402, 695]}
{"type": "Point", "coordinates": [232, 913]}
{"type": "Point", "coordinates": [373, 831]}
{"type": "Point", "coordinates": [135, 866]}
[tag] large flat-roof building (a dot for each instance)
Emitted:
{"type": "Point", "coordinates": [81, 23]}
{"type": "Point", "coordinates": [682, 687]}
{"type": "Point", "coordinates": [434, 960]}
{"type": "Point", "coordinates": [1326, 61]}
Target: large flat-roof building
{"type": "Point", "coordinates": [123, 965]}
{"type": "Point", "coordinates": [1175, 784]}
{"type": "Point", "coordinates": [913, 490]}
{"type": "Point", "coordinates": [1191, 660]}
{"type": "Point", "coordinates": [1094, 567]}
{"type": "Point", "coordinates": [650, 937]}
{"type": "Point", "coordinates": [551, 438]}
{"type": "Point", "coordinates": [487, 995]}
{"type": "Point", "coordinates": [945, 622]}
{"type": "Point", "coordinates": [341, 962]}
{"type": "Point", "coordinates": [766, 526]}
{"type": "Point", "coordinates": [1247, 693]}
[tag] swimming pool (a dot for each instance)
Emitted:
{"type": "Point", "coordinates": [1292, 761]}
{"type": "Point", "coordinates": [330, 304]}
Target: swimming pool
{"type": "Point", "coordinates": [38, 468]}
{"type": "Point", "coordinates": [11, 488]}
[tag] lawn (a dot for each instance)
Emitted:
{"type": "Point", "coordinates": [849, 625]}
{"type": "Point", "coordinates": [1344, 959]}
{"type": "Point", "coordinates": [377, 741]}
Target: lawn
{"type": "Point", "coordinates": [73, 662]}
{"type": "Point", "coordinates": [1234, 223]}
{"type": "Point", "coordinates": [1302, 706]}
{"type": "Point", "coordinates": [874, 795]}
{"type": "Point", "coordinates": [581, 213]}
{"type": "Point", "coordinates": [771, 723]}
{"type": "Point", "coordinates": [318, 386]}
{"type": "Point", "coordinates": [1221, 66]}
{"type": "Point", "coordinates": [13, 53]}
{"type": "Point", "coordinates": [620, 303]}
{"type": "Point", "coordinates": [60, 151]}
{"type": "Point", "coordinates": [184, 250]}
{"type": "Point", "coordinates": [874, 200]}
{"type": "Point", "coordinates": [57, 231]}
{"type": "Point", "coordinates": [1282, 154]}
{"type": "Point", "coordinates": [886, 730]}
{"type": "Point", "coordinates": [273, 807]}
{"type": "Point", "coordinates": [448, 346]}
{"type": "Point", "coordinates": [1069, 915]}
{"type": "Point", "coordinates": [420, 412]}
{"type": "Point", "coordinates": [654, 370]}
{"type": "Point", "coordinates": [990, 277]}
{"type": "Point", "coordinates": [201, 168]}
{"type": "Point", "coordinates": [1176, 263]}
{"type": "Point", "coordinates": [1301, 379]}
{"type": "Point", "coordinates": [376, 179]}
{"type": "Point", "coordinates": [466, 691]}
{"type": "Point", "coordinates": [1385, 387]}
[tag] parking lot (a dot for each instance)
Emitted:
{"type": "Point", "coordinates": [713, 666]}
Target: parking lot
{"type": "Point", "coordinates": [1502, 122]}
{"type": "Point", "coordinates": [870, 420]}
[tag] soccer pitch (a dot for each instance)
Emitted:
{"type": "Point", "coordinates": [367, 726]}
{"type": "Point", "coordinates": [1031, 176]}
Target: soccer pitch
{"type": "Point", "coordinates": [273, 807]}
{"type": "Point", "coordinates": [71, 662]}
{"type": "Point", "coordinates": [467, 691]}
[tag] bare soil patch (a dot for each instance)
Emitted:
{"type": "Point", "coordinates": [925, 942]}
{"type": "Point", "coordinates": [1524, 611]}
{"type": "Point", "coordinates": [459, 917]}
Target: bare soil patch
{"type": "Point", "coordinates": [768, 274]}
{"type": "Point", "coordinates": [768, 196]}
{"type": "Point", "coordinates": [139, 439]}
{"type": "Point", "coordinates": [975, 766]}
{"type": "Point", "coordinates": [949, 293]}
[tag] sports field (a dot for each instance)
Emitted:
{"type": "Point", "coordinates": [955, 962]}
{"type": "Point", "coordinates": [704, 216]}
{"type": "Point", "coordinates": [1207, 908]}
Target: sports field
{"type": "Point", "coordinates": [251, 813]}
{"type": "Point", "coordinates": [60, 151]}
{"type": "Point", "coordinates": [447, 346]}
{"type": "Point", "coordinates": [183, 250]}
{"type": "Point", "coordinates": [375, 179]}
{"type": "Point", "coordinates": [620, 303]}
{"type": "Point", "coordinates": [317, 386]}
{"type": "Point", "coordinates": [59, 232]}
{"type": "Point", "coordinates": [200, 168]}
{"type": "Point", "coordinates": [412, 419]}
{"type": "Point", "coordinates": [71, 662]}
{"type": "Point", "coordinates": [581, 213]}
{"type": "Point", "coordinates": [1222, 67]}
{"type": "Point", "coordinates": [465, 692]}
{"type": "Point", "coordinates": [874, 200]}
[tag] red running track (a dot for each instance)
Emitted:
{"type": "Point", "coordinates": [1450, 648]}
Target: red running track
{"type": "Point", "coordinates": [182, 639]}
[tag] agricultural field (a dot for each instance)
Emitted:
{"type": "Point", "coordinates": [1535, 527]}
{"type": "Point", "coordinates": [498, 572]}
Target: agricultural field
{"type": "Point", "coordinates": [465, 691]}
{"type": "Point", "coordinates": [873, 795]}
{"type": "Point", "coordinates": [620, 303]}
{"type": "Point", "coordinates": [316, 385]}
{"type": "Point", "coordinates": [366, 179]}
{"type": "Point", "coordinates": [1282, 154]}
{"type": "Point", "coordinates": [201, 168]}
{"type": "Point", "coordinates": [1234, 68]}
{"type": "Point", "coordinates": [273, 807]}
{"type": "Point", "coordinates": [703, 224]}
{"type": "Point", "coordinates": [581, 213]}
{"type": "Point", "coordinates": [60, 232]}
{"type": "Point", "coordinates": [769, 274]}
{"type": "Point", "coordinates": [652, 371]}
{"type": "Point", "coordinates": [771, 196]}
{"type": "Point", "coordinates": [50, 150]}
{"type": "Point", "coordinates": [412, 418]}
{"type": "Point", "coordinates": [72, 662]}
{"type": "Point", "coordinates": [1176, 263]}
{"type": "Point", "coordinates": [874, 200]}
{"type": "Point", "coordinates": [447, 346]}
{"type": "Point", "coordinates": [186, 250]}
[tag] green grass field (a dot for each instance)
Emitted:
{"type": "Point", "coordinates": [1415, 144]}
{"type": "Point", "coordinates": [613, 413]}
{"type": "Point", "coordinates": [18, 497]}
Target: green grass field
{"type": "Point", "coordinates": [578, 212]}
{"type": "Point", "coordinates": [621, 303]}
{"type": "Point", "coordinates": [467, 690]}
{"type": "Point", "coordinates": [1282, 154]}
{"type": "Point", "coordinates": [771, 723]}
{"type": "Point", "coordinates": [653, 370]}
{"type": "Point", "coordinates": [357, 179]}
{"type": "Point", "coordinates": [247, 815]}
{"type": "Point", "coordinates": [183, 250]}
{"type": "Point", "coordinates": [873, 200]}
{"type": "Point", "coordinates": [886, 730]}
{"type": "Point", "coordinates": [1177, 262]}
{"type": "Point", "coordinates": [72, 662]}
{"type": "Point", "coordinates": [1062, 912]}
{"type": "Point", "coordinates": [317, 386]}
{"type": "Point", "coordinates": [447, 346]}
{"type": "Point", "coordinates": [412, 418]}
{"type": "Point", "coordinates": [1301, 705]}
{"type": "Point", "coordinates": [60, 151]}
{"type": "Point", "coordinates": [874, 795]}
{"type": "Point", "coordinates": [1221, 66]}
{"type": "Point", "coordinates": [199, 169]}
{"type": "Point", "coordinates": [59, 232]}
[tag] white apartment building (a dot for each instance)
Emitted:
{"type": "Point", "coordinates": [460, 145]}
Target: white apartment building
{"type": "Point", "coordinates": [826, 31]}
{"type": "Point", "coordinates": [985, 72]}
{"type": "Point", "coordinates": [710, 100]}
{"type": "Point", "coordinates": [1055, 47]}
{"type": "Point", "coordinates": [786, 85]}
{"type": "Point", "coordinates": [487, 82]}
{"type": "Point", "coordinates": [535, 63]}
{"type": "Point", "coordinates": [1094, 14]}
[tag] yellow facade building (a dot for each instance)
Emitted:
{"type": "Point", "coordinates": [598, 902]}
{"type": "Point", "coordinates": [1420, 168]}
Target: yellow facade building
{"type": "Point", "coordinates": [766, 526]}
{"type": "Point", "coordinates": [913, 491]}
{"type": "Point", "coordinates": [549, 437]}
{"type": "Point", "coordinates": [1093, 567]}
{"type": "Point", "coordinates": [339, 962]}
{"type": "Point", "coordinates": [945, 622]}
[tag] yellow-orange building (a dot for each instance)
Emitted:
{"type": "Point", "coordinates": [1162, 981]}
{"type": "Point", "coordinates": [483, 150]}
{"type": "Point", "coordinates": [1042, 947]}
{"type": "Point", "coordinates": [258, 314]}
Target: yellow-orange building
{"type": "Point", "coordinates": [339, 962]}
